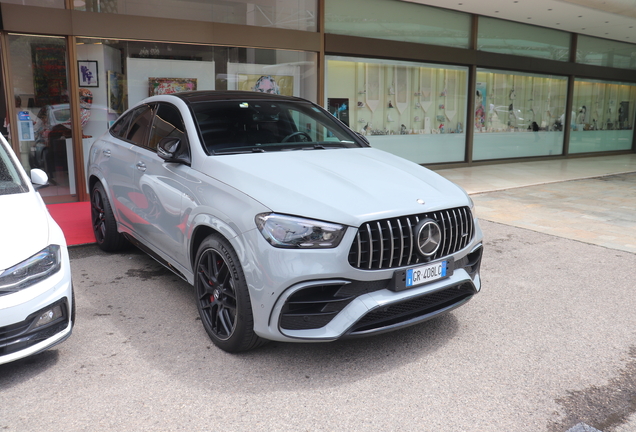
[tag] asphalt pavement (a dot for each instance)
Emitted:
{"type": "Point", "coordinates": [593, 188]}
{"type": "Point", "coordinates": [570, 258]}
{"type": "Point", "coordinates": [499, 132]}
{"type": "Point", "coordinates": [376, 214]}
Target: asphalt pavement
{"type": "Point", "coordinates": [548, 345]}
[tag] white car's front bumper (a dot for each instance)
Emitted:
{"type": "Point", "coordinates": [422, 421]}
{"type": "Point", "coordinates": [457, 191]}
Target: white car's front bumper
{"type": "Point", "coordinates": [20, 335]}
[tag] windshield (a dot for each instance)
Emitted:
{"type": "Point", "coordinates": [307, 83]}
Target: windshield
{"type": "Point", "coordinates": [11, 182]}
{"type": "Point", "coordinates": [230, 127]}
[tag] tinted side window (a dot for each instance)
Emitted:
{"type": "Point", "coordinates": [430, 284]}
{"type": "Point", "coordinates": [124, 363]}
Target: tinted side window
{"type": "Point", "coordinates": [120, 127]}
{"type": "Point", "coordinates": [167, 123]}
{"type": "Point", "coordinates": [139, 125]}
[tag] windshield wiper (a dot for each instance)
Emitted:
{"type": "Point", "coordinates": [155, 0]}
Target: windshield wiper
{"type": "Point", "coordinates": [239, 150]}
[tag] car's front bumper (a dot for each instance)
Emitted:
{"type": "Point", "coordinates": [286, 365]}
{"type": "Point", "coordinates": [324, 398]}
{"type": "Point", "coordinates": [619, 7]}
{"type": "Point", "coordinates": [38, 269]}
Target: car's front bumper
{"type": "Point", "coordinates": [20, 334]}
{"type": "Point", "coordinates": [342, 301]}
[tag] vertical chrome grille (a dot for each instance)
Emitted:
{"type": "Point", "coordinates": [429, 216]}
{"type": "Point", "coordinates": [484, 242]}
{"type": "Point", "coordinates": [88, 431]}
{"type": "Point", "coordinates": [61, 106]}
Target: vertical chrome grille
{"type": "Point", "coordinates": [389, 243]}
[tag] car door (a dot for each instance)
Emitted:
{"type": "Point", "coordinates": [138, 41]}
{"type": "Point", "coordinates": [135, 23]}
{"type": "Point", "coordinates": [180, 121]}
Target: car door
{"type": "Point", "coordinates": [115, 156]}
{"type": "Point", "coordinates": [127, 204]}
{"type": "Point", "coordinates": [163, 185]}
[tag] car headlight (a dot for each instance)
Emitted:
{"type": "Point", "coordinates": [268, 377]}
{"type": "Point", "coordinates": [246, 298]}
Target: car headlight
{"type": "Point", "coordinates": [294, 232]}
{"type": "Point", "coordinates": [32, 270]}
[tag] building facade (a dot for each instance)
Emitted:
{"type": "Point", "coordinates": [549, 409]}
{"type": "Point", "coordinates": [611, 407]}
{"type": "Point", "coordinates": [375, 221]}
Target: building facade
{"type": "Point", "coordinates": [435, 86]}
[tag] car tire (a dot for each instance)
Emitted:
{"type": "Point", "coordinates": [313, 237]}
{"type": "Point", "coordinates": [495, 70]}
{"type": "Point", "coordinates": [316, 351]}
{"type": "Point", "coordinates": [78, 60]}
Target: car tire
{"type": "Point", "coordinates": [103, 220]}
{"type": "Point", "coordinates": [222, 297]}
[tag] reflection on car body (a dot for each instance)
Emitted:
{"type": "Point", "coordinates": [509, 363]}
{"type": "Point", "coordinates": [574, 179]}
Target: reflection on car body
{"type": "Point", "coordinates": [289, 226]}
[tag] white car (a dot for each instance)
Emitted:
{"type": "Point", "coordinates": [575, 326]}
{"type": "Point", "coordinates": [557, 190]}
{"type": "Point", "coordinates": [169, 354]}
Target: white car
{"type": "Point", "coordinates": [289, 226]}
{"type": "Point", "coordinates": [37, 308]}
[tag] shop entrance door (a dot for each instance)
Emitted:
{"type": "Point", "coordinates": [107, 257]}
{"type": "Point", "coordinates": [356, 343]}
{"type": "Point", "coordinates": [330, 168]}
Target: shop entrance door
{"type": "Point", "coordinates": [42, 124]}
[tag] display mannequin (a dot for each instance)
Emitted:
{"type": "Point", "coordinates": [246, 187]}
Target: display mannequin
{"type": "Point", "coordinates": [480, 112]}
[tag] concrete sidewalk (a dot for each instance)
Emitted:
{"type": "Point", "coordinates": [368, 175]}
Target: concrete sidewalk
{"type": "Point", "coordinates": [600, 211]}
{"type": "Point", "coordinates": [490, 178]}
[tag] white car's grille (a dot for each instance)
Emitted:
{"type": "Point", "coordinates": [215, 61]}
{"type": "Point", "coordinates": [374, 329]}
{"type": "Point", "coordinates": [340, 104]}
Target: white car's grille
{"type": "Point", "coordinates": [391, 243]}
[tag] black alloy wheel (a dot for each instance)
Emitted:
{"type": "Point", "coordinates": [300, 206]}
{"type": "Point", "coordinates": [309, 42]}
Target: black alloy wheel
{"type": "Point", "coordinates": [222, 297]}
{"type": "Point", "coordinates": [103, 221]}
{"type": "Point", "coordinates": [217, 294]}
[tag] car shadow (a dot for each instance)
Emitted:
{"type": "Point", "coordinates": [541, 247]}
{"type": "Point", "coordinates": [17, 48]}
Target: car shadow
{"type": "Point", "coordinates": [129, 305]}
{"type": "Point", "coordinates": [25, 369]}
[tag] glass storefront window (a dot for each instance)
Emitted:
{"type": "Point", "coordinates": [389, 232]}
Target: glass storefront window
{"type": "Point", "coordinates": [414, 110]}
{"type": "Point", "coordinates": [518, 115]}
{"type": "Point", "coordinates": [508, 37]}
{"type": "Point", "coordinates": [42, 126]}
{"type": "Point", "coordinates": [602, 116]}
{"type": "Point", "coordinates": [287, 14]}
{"type": "Point", "coordinates": [399, 21]}
{"type": "Point", "coordinates": [605, 52]}
{"type": "Point", "coordinates": [125, 72]}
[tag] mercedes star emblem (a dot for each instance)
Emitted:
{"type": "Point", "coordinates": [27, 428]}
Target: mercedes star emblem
{"type": "Point", "coordinates": [429, 237]}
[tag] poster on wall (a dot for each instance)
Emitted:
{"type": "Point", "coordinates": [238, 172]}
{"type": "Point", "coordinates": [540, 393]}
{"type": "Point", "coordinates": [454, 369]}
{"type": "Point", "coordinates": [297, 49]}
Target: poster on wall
{"type": "Point", "coordinates": [87, 72]}
{"type": "Point", "coordinates": [25, 126]}
{"type": "Point", "coordinates": [274, 79]}
{"type": "Point", "coordinates": [273, 84]}
{"type": "Point", "coordinates": [339, 107]}
{"type": "Point", "coordinates": [116, 95]}
{"type": "Point", "coordinates": [161, 86]}
{"type": "Point", "coordinates": [49, 74]}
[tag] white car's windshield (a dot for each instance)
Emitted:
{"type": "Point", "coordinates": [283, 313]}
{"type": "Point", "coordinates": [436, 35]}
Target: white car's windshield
{"type": "Point", "coordinates": [229, 127]}
{"type": "Point", "coordinates": [10, 180]}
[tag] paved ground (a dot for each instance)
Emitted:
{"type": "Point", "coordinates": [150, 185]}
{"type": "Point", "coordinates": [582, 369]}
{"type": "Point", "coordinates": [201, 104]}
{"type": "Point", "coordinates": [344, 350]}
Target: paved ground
{"type": "Point", "coordinates": [605, 214]}
{"type": "Point", "coordinates": [549, 345]}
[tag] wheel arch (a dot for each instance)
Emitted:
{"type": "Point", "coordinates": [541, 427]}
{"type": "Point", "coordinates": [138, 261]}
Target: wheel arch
{"type": "Point", "coordinates": [206, 226]}
{"type": "Point", "coordinates": [95, 178]}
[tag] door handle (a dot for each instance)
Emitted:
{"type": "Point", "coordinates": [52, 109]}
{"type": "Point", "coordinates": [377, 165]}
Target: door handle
{"type": "Point", "coordinates": [141, 166]}
{"type": "Point", "coordinates": [106, 152]}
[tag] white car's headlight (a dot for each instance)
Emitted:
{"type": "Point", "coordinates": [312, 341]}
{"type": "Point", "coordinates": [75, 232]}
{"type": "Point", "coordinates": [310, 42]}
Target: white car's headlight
{"type": "Point", "coordinates": [32, 270]}
{"type": "Point", "coordinates": [294, 232]}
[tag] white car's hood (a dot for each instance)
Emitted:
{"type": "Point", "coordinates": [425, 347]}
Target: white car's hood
{"type": "Point", "coordinates": [347, 186]}
{"type": "Point", "coordinates": [24, 227]}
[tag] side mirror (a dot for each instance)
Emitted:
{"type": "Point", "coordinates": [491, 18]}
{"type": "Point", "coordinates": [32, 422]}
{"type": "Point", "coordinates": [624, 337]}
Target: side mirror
{"type": "Point", "coordinates": [171, 149]}
{"type": "Point", "coordinates": [39, 178]}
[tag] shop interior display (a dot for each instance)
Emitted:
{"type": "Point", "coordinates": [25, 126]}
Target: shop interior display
{"type": "Point", "coordinates": [400, 99]}
{"type": "Point", "coordinates": [603, 106]}
{"type": "Point", "coordinates": [519, 103]}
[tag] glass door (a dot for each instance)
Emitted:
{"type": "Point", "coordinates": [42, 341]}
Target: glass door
{"type": "Point", "coordinates": [42, 127]}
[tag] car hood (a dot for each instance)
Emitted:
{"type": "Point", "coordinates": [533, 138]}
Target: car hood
{"type": "Point", "coordinates": [347, 186]}
{"type": "Point", "coordinates": [24, 227]}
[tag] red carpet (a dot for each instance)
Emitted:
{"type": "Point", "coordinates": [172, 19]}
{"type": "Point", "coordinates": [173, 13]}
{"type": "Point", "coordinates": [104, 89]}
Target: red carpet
{"type": "Point", "coordinates": [75, 221]}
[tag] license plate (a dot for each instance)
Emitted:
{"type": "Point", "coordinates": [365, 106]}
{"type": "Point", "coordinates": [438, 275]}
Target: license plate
{"type": "Point", "coordinates": [426, 273]}
{"type": "Point", "coordinates": [422, 274]}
